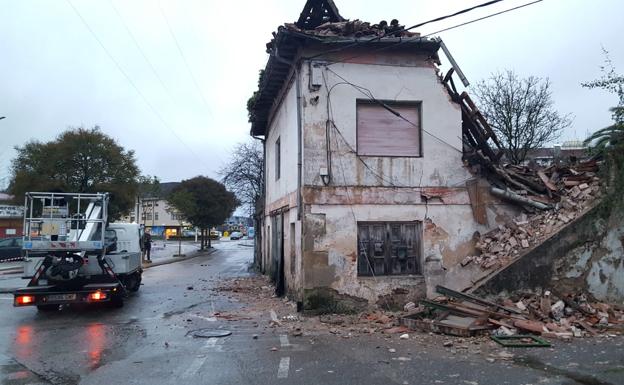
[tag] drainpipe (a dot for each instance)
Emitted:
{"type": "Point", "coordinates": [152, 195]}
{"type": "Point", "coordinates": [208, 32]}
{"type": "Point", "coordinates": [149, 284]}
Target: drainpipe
{"type": "Point", "coordinates": [299, 136]}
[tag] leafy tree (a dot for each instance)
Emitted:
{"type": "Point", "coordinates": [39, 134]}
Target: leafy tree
{"type": "Point", "coordinates": [521, 112]}
{"type": "Point", "coordinates": [608, 142]}
{"type": "Point", "coordinates": [148, 186]}
{"type": "Point", "coordinates": [244, 174]}
{"type": "Point", "coordinates": [251, 102]}
{"type": "Point", "coordinates": [78, 160]}
{"type": "Point", "coordinates": [204, 202]}
{"type": "Point", "coordinates": [611, 137]}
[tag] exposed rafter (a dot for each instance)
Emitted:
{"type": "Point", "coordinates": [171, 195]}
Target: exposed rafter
{"type": "Point", "coordinates": [317, 12]}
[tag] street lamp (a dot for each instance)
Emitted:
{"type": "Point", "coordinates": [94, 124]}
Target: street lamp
{"type": "Point", "coordinates": [2, 117]}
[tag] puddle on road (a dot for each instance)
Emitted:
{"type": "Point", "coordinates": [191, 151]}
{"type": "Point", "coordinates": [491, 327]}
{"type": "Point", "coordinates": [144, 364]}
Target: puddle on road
{"type": "Point", "coordinates": [578, 378]}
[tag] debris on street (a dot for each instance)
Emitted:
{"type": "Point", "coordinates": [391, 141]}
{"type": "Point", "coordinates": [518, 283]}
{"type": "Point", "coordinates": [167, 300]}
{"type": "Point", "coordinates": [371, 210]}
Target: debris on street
{"type": "Point", "coordinates": [465, 315]}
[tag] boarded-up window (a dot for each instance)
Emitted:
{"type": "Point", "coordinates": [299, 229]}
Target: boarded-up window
{"type": "Point", "coordinates": [382, 133]}
{"type": "Point", "coordinates": [389, 248]}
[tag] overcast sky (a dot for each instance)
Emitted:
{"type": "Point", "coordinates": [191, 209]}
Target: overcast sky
{"type": "Point", "coordinates": [54, 73]}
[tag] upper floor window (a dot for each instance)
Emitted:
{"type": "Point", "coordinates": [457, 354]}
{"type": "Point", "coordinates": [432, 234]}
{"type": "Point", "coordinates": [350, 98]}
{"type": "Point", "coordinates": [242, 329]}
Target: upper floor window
{"type": "Point", "coordinates": [380, 132]}
{"type": "Point", "coordinates": [278, 159]}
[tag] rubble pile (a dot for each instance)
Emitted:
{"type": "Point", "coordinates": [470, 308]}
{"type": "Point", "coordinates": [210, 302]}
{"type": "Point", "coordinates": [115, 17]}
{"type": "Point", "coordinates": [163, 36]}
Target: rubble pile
{"type": "Point", "coordinates": [570, 191]}
{"type": "Point", "coordinates": [356, 28]}
{"type": "Point", "coordinates": [548, 315]}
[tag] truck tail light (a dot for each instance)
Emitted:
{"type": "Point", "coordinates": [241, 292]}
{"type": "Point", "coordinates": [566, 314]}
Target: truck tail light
{"type": "Point", "coordinates": [24, 300]}
{"type": "Point", "coordinates": [97, 296]}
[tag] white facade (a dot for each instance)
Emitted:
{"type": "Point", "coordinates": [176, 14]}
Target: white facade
{"type": "Point", "coordinates": [319, 240]}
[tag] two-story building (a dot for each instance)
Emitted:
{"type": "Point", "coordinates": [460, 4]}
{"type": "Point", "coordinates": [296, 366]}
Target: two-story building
{"type": "Point", "coordinates": [367, 196]}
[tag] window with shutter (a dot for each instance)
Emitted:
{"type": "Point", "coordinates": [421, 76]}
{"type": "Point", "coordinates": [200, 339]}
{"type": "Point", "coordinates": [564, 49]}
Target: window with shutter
{"type": "Point", "coordinates": [380, 132]}
{"type": "Point", "coordinates": [389, 248]}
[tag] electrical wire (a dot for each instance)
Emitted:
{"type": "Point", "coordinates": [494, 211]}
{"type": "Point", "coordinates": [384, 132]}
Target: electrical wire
{"type": "Point", "coordinates": [403, 29]}
{"type": "Point", "coordinates": [141, 51]}
{"type": "Point", "coordinates": [420, 38]}
{"type": "Point", "coordinates": [331, 124]}
{"type": "Point", "coordinates": [186, 64]}
{"type": "Point", "coordinates": [138, 91]}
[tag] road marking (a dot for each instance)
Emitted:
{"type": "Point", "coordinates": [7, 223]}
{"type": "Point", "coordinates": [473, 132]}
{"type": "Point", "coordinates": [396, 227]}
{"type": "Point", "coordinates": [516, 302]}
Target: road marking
{"type": "Point", "coordinates": [6, 298]}
{"type": "Point", "coordinates": [214, 344]}
{"type": "Point", "coordinates": [273, 315]}
{"type": "Point", "coordinates": [284, 365]}
{"type": "Point", "coordinates": [210, 319]}
{"type": "Point", "coordinates": [284, 340]}
{"type": "Point", "coordinates": [194, 367]}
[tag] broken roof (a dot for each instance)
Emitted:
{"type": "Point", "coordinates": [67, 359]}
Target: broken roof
{"type": "Point", "coordinates": [320, 24]}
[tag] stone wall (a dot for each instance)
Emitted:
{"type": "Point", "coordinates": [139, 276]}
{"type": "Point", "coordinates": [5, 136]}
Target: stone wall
{"type": "Point", "coordinates": [586, 255]}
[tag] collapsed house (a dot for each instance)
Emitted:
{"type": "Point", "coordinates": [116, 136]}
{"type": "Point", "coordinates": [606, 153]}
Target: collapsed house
{"type": "Point", "coordinates": [382, 180]}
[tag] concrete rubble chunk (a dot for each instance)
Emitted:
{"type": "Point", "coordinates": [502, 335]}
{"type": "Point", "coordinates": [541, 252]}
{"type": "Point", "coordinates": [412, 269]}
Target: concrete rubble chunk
{"type": "Point", "coordinates": [557, 310]}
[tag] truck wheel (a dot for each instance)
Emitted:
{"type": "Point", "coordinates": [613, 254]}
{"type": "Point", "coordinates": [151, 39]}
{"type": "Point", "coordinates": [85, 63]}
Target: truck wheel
{"type": "Point", "coordinates": [47, 308]}
{"type": "Point", "coordinates": [133, 282]}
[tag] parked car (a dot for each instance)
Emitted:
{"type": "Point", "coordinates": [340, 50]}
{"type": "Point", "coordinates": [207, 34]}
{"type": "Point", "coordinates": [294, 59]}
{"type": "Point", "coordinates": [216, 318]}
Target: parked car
{"type": "Point", "coordinates": [215, 234]}
{"type": "Point", "coordinates": [188, 233]}
{"type": "Point", "coordinates": [236, 235]}
{"type": "Point", "coordinates": [10, 248]}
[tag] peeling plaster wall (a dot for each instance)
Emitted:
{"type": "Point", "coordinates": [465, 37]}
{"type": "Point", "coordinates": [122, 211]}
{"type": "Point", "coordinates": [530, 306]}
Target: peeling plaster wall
{"type": "Point", "coordinates": [586, 256]}
{"type": "Point", "coordinates": [323, 269]}
{"type": "Point", "coordinates": [357, 194]}
{"type": "Point", "coordinates": [441, 163]}
{"type": "Point", "coordinates": [281, 193]}
{"type": "Point", "coordinates": [330, 247]}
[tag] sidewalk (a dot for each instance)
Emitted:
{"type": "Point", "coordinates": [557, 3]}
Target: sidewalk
{"type": "Point", "coordinates": [165, 260]}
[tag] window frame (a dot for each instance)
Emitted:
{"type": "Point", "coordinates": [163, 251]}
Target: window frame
{"type": "Point", "coordinates": [278, 158]}
{"type": "Point", "coordinates": [401, 103]}
{"type": "Point", "coordinates": [387, 258]}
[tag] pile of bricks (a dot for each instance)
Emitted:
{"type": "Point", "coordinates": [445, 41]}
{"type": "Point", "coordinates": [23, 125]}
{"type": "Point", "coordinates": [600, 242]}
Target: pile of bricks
{"type": "Point", "coordinates": [563, 316]}
{"type": "Point", "coordinates": [503, 244]}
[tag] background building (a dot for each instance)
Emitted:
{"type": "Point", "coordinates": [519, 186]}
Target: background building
{"type": "Point", "coordinates": [11, 217]}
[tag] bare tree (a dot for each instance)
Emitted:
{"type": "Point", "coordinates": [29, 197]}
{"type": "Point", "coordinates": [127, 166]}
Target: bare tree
{"type": "Point", "coordinates": [521, 112]}
{"type": "Point", "coordinates": [244, 174]}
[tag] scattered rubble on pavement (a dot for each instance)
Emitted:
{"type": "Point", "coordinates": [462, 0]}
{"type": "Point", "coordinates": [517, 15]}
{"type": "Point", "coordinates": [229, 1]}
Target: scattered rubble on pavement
{"type": "Point", "coordinates": [549, 315]}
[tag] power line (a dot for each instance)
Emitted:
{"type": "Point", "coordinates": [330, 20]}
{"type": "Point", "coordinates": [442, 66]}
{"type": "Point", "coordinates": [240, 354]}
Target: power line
{"type": "Point", "coordinates": [483, 18]}
{"type": "Point", "coordinates": [138, 46]}
{"type": "Point", "coordinates": [138, 91]}
{"type": "Point", "coordinates": [432, 33]}
{"type": "Point", "coordinates": [188, 67]}
{"type": "Point", "coordinates": [454, 14]}
{"type": "Point", "coordinates": [403, 29]}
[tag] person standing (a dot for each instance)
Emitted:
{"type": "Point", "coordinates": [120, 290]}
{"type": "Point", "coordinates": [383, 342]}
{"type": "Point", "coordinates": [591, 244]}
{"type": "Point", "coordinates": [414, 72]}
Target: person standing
{"type": "Point", "coordinates": [147, 246]}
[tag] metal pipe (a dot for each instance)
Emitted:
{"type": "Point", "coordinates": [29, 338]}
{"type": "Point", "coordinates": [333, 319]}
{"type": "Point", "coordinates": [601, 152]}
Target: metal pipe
{"type": "Point", "coordinates": [452, 61]}
{"type": "Point", "coordinates": [299, 137]}
{"type": "Point", "coordinates": [512, 196]}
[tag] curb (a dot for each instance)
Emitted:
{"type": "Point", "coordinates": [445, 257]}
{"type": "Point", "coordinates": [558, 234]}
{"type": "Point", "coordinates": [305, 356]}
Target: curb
{"type": "Point", "coordinates": [17, 270]}
{"type": "Point", "coordinates": [179, 259]}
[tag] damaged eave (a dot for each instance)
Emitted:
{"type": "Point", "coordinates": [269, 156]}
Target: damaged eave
{"type": "Point", "coordinates": [285, 48]}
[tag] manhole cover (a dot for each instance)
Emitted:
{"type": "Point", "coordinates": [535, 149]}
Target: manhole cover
{"type": "Point", "coordinates": [209, 333]}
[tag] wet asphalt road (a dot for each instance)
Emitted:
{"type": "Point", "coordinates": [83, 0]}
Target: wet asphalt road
{"type": "Point", "coordinates": [147, 342]}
